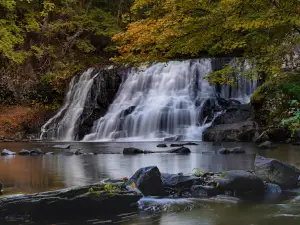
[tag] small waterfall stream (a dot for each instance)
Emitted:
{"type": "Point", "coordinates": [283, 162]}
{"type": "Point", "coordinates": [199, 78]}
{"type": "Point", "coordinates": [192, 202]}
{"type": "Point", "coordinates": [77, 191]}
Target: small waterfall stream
{"type": "Point", "coordinates": [62, 125]}
{"type": "Point", "coordinates": [162, 100]}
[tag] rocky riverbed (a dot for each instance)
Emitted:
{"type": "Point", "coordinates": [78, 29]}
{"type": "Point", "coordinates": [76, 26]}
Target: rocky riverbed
{"type": "Point", "coordinates": [270, 177]}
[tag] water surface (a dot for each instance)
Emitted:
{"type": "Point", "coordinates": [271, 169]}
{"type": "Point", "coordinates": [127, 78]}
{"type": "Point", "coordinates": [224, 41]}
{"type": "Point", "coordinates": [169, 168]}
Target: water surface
{"type": "Point", "coordinates": [30, 174]}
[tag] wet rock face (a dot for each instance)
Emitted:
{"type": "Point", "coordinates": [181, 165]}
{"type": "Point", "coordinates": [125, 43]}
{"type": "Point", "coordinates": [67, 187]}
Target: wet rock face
{"type": "Point", "coordinates": [277, 172]}
{"type": "Point", "coordinates": [242, 131]}
{"type": "Point", "coordinates": [132, 151]}
{"type": "Point", "coordinates": [148, 181]}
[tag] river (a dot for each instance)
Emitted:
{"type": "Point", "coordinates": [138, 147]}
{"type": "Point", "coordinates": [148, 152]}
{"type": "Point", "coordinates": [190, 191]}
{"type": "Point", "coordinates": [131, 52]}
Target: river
{"type": "Point", "coordinates": [30, 174]}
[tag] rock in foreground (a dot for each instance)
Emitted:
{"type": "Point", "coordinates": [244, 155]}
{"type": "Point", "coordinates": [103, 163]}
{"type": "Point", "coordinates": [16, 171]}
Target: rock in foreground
{"type": "Point", "coordinates": [277, 172]}
{"type": "Point", "coordinates": [72, 202]}
{"type": "Point", "coordinates": [241, 183]}
{"type": "Point", "coordinates": [148, 181]}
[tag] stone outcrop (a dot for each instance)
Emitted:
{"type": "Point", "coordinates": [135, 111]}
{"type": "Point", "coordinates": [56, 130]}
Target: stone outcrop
{"type": "Point", "coordinates": [277, 172]}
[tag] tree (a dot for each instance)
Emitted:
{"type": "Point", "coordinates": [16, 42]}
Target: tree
{"type": "Point", "coordinates": [264, 31]}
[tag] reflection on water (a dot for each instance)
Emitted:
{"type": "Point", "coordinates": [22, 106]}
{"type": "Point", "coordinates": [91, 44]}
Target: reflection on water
{"type": "Point", "coordinates": [41, 173]}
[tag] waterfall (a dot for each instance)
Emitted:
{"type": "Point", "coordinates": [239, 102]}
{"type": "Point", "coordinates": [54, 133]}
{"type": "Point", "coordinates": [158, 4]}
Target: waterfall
{"type": "Point", "coordinates": [163, 100]}
{"type": "Point", "coordinates": [62, 125]}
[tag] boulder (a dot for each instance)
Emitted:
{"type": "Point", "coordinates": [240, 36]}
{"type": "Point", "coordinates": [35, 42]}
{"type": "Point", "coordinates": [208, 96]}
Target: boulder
{"type": "Point", "coordinates": [132, 151]}
{"type": "Point", "coordinates": [79, 152]}
{"type": "Point", "coordinates": [224, 151]}
{"type": "Point", "coordinates": [176, 145]}
{"type": "Point", "coordinates": [35, 152]}
{"type": "Point", "coordinates": [242, 131]}
{"type": "Point", "coordinates": [261, 138]}
{"type": "Point", "coordinates": [277, 172]}
{"type": "Point", "coordinates": [179, 180]}
{"type": "Point", "coordinates": [234, 114]}
{"type": "Point", "coordinates": [204, 191]}
{"type": "Point", "coordinates": [67, 146]}
{"type": "Point", "coordinates": [267, 145]}
{"type": "Point", "coordinates": [24, 152]}
{"type": "Point", "coordinates": [190, 143]}
{"type": "Point", "coordinates": [7, 152]}
{"type": "Point", "coordinates": [162, 146]}
{"type": "Point", "coordinates": [90, 200]}
{"type": "Point", "coordinates": [241, 183]}
{"type": "Point", "coordinates": [182, 150]}
{"type": "Point", "coordinates": [148, 181]}
{"type": "Point", "coordinates": [278, 134]}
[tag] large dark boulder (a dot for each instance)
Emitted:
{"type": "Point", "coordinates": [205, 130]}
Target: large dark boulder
{"type": "Point", "coordinates": [179, 180]}
{"type": "Point", "coordinates": [132, 151]}
{"type": "Point", "coordinates": [241, 183]}
{"type": "Point", "coordinates": [72, 202]}
{"type": "Point", "coordinates": [278, 134]}
{"type": "Point", "coordinates": [238, 113]}
{"type": "Point", "coordinates": [277, 172]}
{"type": "Point", "coordinates": [148, 181]}
{"type": "Point", "coordinates": [242, 131]}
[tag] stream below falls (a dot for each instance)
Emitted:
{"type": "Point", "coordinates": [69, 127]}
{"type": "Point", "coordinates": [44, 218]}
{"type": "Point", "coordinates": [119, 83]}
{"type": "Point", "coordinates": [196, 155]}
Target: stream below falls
{"type": "Point", "coordinates": [30, 174]}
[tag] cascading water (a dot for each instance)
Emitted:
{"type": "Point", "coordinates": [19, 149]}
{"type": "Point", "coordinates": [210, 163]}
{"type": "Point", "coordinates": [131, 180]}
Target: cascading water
{"type": "Point", "coordinates": [62, 125]}
{"type": "Point", "coordinates": [164, 100]}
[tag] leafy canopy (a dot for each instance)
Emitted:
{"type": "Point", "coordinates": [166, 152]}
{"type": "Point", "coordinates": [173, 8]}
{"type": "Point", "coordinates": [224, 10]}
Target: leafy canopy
{"type": "Point", "coordinates": [264, 31]}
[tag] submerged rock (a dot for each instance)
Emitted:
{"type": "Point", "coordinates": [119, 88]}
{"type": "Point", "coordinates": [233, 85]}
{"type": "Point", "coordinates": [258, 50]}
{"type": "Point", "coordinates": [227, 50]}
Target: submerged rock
{"type": "Point", "coordinates": [241, 183]}
{"type": "Point", "coordinates": [190, 143]}
{"type": "Point", "coordinates": [277, 172]}
{"type": "Point", "coordinates": [67, 146]}
{"type": "Point", "coordinates": [148, 181]}
{"type": "Point", "coordinates": [162, 146]}
{"type": "Point", "coordinates": [35, 152]}
{"type": "Point", "coordinates": [176, 145]}
{"type": "Point", "coordinates": [267, 145]}
{"type": "Point", "coordinates": [182, 150]}
{"type": "Point", "coordinates": [224, 151]}
{"type": "Point", "coordinates": [24, 152]}
{"type": "Point", "coordinates": [79, 152]}
{"type": "Point", "coordinates": [68, 153]}
{"type": "Point", "coordinates": [7, 152]}
{"type": "Point", "coordinates": [132, 151]}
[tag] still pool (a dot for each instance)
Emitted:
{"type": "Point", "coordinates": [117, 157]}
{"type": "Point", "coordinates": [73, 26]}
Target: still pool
{"type": "Point", "coordinates": [30, 174]}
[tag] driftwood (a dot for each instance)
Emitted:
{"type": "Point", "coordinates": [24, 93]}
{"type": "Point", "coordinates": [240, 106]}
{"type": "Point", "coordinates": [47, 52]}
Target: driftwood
{"type": "Point", "coordinates": [75, 202]}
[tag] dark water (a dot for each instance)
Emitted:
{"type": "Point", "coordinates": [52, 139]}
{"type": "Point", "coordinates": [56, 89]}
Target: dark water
{"type": "Point", "coordinates": [29, 174]}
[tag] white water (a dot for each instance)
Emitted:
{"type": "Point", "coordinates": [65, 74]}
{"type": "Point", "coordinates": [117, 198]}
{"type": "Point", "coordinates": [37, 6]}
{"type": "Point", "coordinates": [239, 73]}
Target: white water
{"type": "Point", "coordinates": [71, 110]}
{"type": "Point", "coordinates": [163, 100]}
